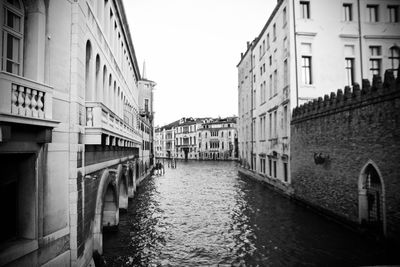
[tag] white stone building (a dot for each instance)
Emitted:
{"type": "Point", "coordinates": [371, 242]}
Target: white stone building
{"type": "Point", "coordinates": [70, 128]}
{"type": "Point", "coordinates": [300, 54]}
{"type": "Point", "coordinates": [217, 139]}
{"type": "Point", "coordinates": [186, 138]}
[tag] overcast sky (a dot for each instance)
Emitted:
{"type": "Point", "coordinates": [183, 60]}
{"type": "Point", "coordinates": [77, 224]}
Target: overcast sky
{"type": "Point", "coordinates": [191, 49]}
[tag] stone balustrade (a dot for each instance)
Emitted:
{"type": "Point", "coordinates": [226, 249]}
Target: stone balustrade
{"type": "Point", "coordinates": [25, 98]}
{"type": "Point", "coordinates": [101, 120]}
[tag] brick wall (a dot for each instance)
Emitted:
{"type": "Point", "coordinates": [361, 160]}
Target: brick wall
{"type": "Point", "coordinates": [346, 130]}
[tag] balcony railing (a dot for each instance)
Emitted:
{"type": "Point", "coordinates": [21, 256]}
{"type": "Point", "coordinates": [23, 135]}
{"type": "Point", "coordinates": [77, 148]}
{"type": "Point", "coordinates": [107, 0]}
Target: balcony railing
{"type": "Point", "coordinates": [25, 101]}
{"type": "Point", "coordinates": [101, 120]}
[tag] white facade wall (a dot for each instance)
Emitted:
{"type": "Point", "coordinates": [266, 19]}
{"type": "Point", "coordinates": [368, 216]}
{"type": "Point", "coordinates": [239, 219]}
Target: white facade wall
{"type": "Point", "coordinates": [327, 41]}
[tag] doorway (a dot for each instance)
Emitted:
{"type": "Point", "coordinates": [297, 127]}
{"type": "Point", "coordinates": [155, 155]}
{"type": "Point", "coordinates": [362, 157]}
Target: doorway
{"type": "Point", "coordinates": [371, 199]}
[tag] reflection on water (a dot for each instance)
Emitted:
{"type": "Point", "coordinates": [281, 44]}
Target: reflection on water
{"type": "Point", "coordinates": [203, 213]}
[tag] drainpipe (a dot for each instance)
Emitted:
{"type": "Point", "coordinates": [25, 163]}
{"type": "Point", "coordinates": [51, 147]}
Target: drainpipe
{"type": "Point", "coordinates": [295, 54]}
{"type": "Point", "coordinates": [251, 111]}
{"type": "Point", "coordinates": [360, 39]}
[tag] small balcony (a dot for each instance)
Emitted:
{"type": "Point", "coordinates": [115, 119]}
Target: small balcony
{"type": "Point", "coordinates": [25, 101]}
{"type": "Point", "coordinates": [102, 122]}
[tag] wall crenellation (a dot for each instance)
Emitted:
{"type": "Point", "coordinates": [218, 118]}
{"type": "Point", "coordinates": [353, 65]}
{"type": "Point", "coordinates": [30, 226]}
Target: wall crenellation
{"type": "Point", "coordinates": [350, 96]}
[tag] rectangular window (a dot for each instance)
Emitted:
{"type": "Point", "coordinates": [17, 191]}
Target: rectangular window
{"type": "Point", "coordinates": [270, 166]}
{"type": "Point", "coordinates": [270, 60]}
{"type": "Point", "coordinates": [349, 71]}
{"type": "Point", "coordinates": [265, 90]}
{"type": "Point", "coordinates": [285, 121]}
{"type": "Point", "coordinates": [285, 73]}
{"type": "Point", "coordinates": [275, 81]}
{"type": "Point", "coordinates": [270, 86]}
{"type": "Point", "coordinates": [284, 17]}
{"type": "Point", "coordinates": [375, 60]}
{"type": "Point", "coordinates": [372, 13]}
{"type": "Point", "coordinates": [274, 168]}
{"type": "Point", "coordinates": [267, 41]}
{"type": "Point", "coordinates": [262, 163]}
{"type": "Point", "coordinates": [393, 13]}
{"type": "Point", "coordinates": [394, 58]}
{"type": "Point", "coordinates": [146, 105]}
{"type": "Point", "coordinates": [262, 93]}
{"type": "Point", "coordinates": [275, 124]}
{"type": "Point", "coordinates": [348, 12]}
{"type": "Point", "coordinates": [254, 99]}
{"type": "Point", "coordinates": [274, 31]}
{"type": "Point", "coordinates": [12, 40]}
{"type": "Point", "coordinates": [285, 44]}
{"type": "Point", "coordinates": [270, 126]}
{"type": "Point", "coordinates": [306, 69]}
{"type": "Point", "coordinates": [305, 9]}
{"type": "Point", "coordinates": [263, 46]}
{"type": "Point", "coordinates": [285, 171]}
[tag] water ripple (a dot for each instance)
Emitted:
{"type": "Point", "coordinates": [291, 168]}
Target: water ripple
{"type": "Point", "coordinates": [204, 214]}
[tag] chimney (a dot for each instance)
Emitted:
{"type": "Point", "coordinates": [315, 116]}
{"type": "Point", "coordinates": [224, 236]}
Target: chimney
{"type": "Point", "coordinates": [248, 44]}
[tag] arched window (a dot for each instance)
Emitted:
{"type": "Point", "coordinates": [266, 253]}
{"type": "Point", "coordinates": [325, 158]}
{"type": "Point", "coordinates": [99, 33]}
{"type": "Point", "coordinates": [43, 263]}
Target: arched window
{"type": "Point", "coordinates": [12, 35]}
{"type": "Point", "coordinates": [114, 96]}
{"type": "Point", "coordinates": [88, 71]}
{"type": "Point", "coordinates": [371, 199]}
{"type": "Point", "coordinates": [109, 96]}
{"type": "Point", "coordinates": [105, 86]}
{"type": "Point", "coordinates": [118, 103]}
{"type": "Point", "coordinates": [98, 83]}
{"type": "Point", "coordinates": [394, 58]}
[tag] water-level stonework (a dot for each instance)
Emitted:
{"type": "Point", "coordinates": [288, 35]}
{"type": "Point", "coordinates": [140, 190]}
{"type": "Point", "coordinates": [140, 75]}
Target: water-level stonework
{"type": "Point", "coordinates": [205, 214]}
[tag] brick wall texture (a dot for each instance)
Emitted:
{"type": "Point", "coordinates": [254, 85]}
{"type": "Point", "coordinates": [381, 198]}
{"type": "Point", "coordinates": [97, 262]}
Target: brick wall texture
{"type": "Point", "coordinates": [351, 128]}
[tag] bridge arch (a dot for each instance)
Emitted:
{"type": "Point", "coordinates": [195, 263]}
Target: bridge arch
{"type": "Point", "coordinates": [371, 198]}
{"type": "Point", "coordinates": [122, 182]}
{"type": "Point", "coordinates": [106, 212]}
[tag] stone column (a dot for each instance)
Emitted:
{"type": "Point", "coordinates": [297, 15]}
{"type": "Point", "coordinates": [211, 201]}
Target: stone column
{"type": "Point", "coordinates": [35, 41]}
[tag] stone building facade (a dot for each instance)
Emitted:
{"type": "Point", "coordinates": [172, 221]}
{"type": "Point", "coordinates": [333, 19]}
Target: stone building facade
{"type": "Point", "coordinates": [217, 140]}
{"type": "Point", "coordinates": [299, 55]}
{"type": "Point", "coordinates": [345, 155]}
{"type": "Point", "coordinates": [71, 130]}
{"type": "Point", "coordinates": [191, 138]}
{"type": "Point", "coordinates": [164, 141]}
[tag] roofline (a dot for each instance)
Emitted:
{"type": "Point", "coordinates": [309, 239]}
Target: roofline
{"type": "Point", "coordinates": [278, 5]}
{"type": "Point", "coordinates": [125, 27]}
{"type": "Point", "coordinates": [249, 48]}
{"type": "Point", "coordinates": [271, 17]}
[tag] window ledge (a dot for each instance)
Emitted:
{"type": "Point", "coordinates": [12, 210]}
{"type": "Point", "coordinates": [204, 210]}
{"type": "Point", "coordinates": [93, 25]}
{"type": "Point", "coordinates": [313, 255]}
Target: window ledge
{"type": "Point", "coordinates": [16, 249]}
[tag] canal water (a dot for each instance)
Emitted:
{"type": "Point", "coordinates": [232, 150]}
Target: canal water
{"type": "Point", "coordinates": [204, 214]}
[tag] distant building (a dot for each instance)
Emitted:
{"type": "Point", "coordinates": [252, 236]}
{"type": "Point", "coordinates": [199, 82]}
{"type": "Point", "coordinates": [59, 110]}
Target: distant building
{"type": "Point", "coordinates": [165, 141]}
{"type": "Point", "coordinates": [299, 55]}
{"type": "Point", "coordinates": [198, 138]}
{"type": "Point", "coordinates": [186, 138]}
{"type": "Point", "coordinates": [146, 112]}
{"type": "Point", "coordinates": [217, 139]}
